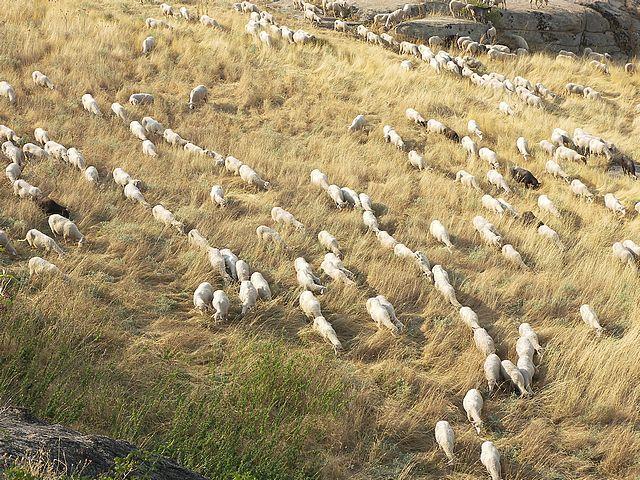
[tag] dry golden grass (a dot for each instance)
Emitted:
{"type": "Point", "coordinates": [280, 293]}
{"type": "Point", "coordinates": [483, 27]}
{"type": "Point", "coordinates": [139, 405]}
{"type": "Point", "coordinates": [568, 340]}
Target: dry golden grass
{"type": "Point", "coordinates": [285, 111]}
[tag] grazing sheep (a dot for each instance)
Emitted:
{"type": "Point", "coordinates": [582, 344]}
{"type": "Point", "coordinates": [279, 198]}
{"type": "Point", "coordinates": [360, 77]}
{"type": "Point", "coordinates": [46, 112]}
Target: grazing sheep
{"type": "Point", "coordinates": [39, 266]}
{"type": "Point", "coordinates": [279, 215]}
{"type": "Point", "coordinates": [207, 21]}
{"type": "Point", "coordinates": [164, 216]}
{"type": "Point", "coordinates": [439, 232]}
{"type": "Point", "coordinates": [90, 105]}
{"type": "Point", "coordinates": [510, 372]}
{"type": "Point", "coordinates": [13, 153]}
{"type": "Point", "coordinates": [333, 268]}
{"type": "Point", "coordinates": [489, 156]}
{"type": "Point", "coordinates": [391, 136]}
{"type": "Point", "coordinates": [513, 256]}
{"type": "Point", "coordinates": [524, 348]}
{"type": "Point", "coordinates": [250, 176]}
{"type": "Point", "coordinates": [402, 251]}
{"type": "Point", "coordinates": [470, 147]}
{"type": "Point", "coordinates": [417, 160]}
{"type": "Point", "coordinates": [370, 221]}
{"type": "Point", "coordinates": [217, 196]}
{"type": "Point", "coordinates": [141, 99]}
{"type": "Point", "coordinates": [472, 404]}
{"type": "Point", "coordinates": [326, 331]}
{"type": "Point", "coordinates": [197, 240]}
{"type": "Point", "coordinates": [248, 296]}
{"type": "Point", "coordinates": [522, 175]}
{"type": "Point", "coordinates": [329, 242]}
{"type": "Point", "coordinates": [232, 164]}
{"type": "Point", "coordinates": [469, 317]}
{"type": "Point", "coordinates": [358, 123]}
{"type": "Point", "coordinates": [173, 138]}
{"type": "Point", "coordinates": [243, 270]}
{"type": "Point", "coordinates": [6, 244]}
{"type": "Point", "coordinates": [590, 318]}
{"type": "Point", "coordinates": [203, 297]}
{"type": "Point", "coordinates": [365, 202]}
{"type": "Point", "coordinates": [230, 261]}
{"type": "Point", "coordinates": [10, 136]}
{"type": "Point", "coordinates": [133, 193]}
{"type": "Point", "coordinates": [269, 234]}
{"type": "Point", "coordinates": [24, 189]}
{"type": "Point", "coordinates": [556, 170]}
{"type": "Point", "coordinates": [625, 255]}
{"type": "Point", "coordinates": [302, 37]}
{"type": "Point", "coordinates": [220, 304]}
{"type": "Point", "coordinates": [445, 439]}
{"type": "Point", "coordinates": [545, 204]}
{"type": "Point", "coordinates": [320, 179]}
{"type": "Point", "coordinates": [154, 23]}
{"type": "Point", "coordinates": [337, 195]}
{"type": "Point", "coordinates": [137, 130]}
{"type": "Point", "coordinates": [218, 262]}
{"type": "Point", "coordinates": [525, 330]}
{"type": "Point", "coordinates": [599, 66]}
{"type": "Point", "coordinates": [466, 179]}
{"type": "Point", "coordinates": [415, 117]}
{"type": "Point", "coordinates": [66, 228]}
{"type": "Point", "coordinates": [386, 240]}
{"type": "Point", "coordinates": [484, 342]}
{"type": "Point", "coordinates": [37, 239]}
{"type": "Point", "coordinates": [423, 263]}
{"type": "Point", "coordinates": [492, 204]}
{"type": "Point", "coordinates": [121, 177]}
{"type": "Point", "coordinates": [6, 90]}
{"type": "Point", "coordinates": [151, 125]}
{"type": "Point", "coordinates": [305, 276]}
{"type": "Point", "coordinates": [351, 197]}
{"type": "Point", "coordinates": [148, 44]}
{"type": "Point", "coordinates": [13, 172]}
{"type": "Point", "coordinates": [473, 128]}
{"type": "Point", "coordinates": [580, 189]}
{"type": "Point", "coordinates": [490, 237]}
{"type": "Point", "coordinates": [441, 282]}
{"type": "Point", "coordinates": [309, 304]}
{"type": "Point", "coordinates": [380, 312]}
{"type": "Point", "coordinates": [120, 112]}
{"type": "Point", "coordinates": [495, 178]}
{"type": "Point", "coordinates": [492, 367]}
{"type": "Point", "coordinates": [547, 146]}
{"type": "Point", "coordinates": [566, 153]}
{"type": "Point", "coordinates": [261, 286]}
{"type": "Point", "coordinates": [613, 204]}
{"type": "Point", "coordinates": [340, 26]}
{"type": "Point", "coordinates": [76, 158]}
{"type": "Point", "coordinates": [505, 108]}
{"type": "Point", "coordinates": [41, 80]}
{"type": "Point", "coordinates": [490, 458]}
{"type": "Point", "coordinates": [523, 147]}
{"type": "Point", "coordinates": [547, 232]}
{"type": "Point", "coordinates": [149, 148]}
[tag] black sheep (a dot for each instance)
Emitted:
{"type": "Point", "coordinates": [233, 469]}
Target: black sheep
{"type": "Point", "coordinates": [49, 207]}
{"type": "Point", "coordinates": [523, 175]}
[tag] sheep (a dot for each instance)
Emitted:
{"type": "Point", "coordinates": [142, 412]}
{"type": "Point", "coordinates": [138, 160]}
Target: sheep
{"type": "Point", "coordinates": [598, 147]}
{"type": "Point", "coordinates": [167, 9]}
{"type": "Point", "coordinates": [439, 232]}
{"type": "Point", "coordinates": [37, 239]}
{"type": "Point", "coordinates": [358, 123]}
{"type": "Point", "coordinates": [365, 202]}
{"type": "Point", "coordinates": [492, 204]}
{"type": "Point", "coordinates": [547, 232]}
{"type": "Point", "coordinates": [133, 193]}
{"type": "Point", "coordinates": [469, 317]}
{"type": "Point", "coordinates": [76, 158]}
{"type": "Point", "coordinates": [154, 23]}
{"type": "Point", "coordinates": [456, 7]}
{"type": "Point", "coordinates": [547, 146]}
{"type": "Point", "coordinates": [6, 90]}
{"type": "Point", "coordinates": [625, 255]}
{"type": "Point", "coordinates": [470, 147]}
{"type": "Point", "coordinates": [220, 305]}
{"type": "Point", "coordinates": [207, 21]}
{"type": "Point", "coordinates": [545, 204]}
{"type": "Point", "coordinates": [149, 148]}
{"type": "Point", "coordinates": [13, 172]}
{"type": "Point", "coordinates": [489, 156]}
{"type": "Point", "coordinates": [423, 264]}
{"type": "Point", "coordinates": [217, 196]}
{"type": "Point", "coordinates": [121, 177]}
{"type": "Point", "coordinates": [574, 88]}
{"type": "Point", "coordinates": [510, 372]}
{"type": "Point", "coordinates": [483, 341]}
{"type": "Point", "coordinates": [556, 170]}
{"type": "Point", "coordinates": [326, 331]}
{"type": "Point", "coordinates": [591, 94]}
{"type": "Point", "coordinates": [523, 147]}
{"type": "Point", "coordinates": [383, 314]}
{"type": "Point", "coordinates": [495, 178]}
{"type": "Point", "coordinates": [415, 117]}
{"type": "Point", "coordinates": [390, 135]}
{"type": "Point", "coordinates": [590, 318]}
{"type": "Point", "coordinates": [351, 197]}
{"type": "Point", "coordinates": [580, 189]}
{"type": "Point", "coordinates": [141, 99]}
{"type": "Point", "coordinates": [279, 215]}
{"type": "Point", "coordinates": [203, 297]}
{"type": "Point", "coordinates": [243, 271]}
{"type": "Point", "coordinates": [333, 269]}
{"type": "Point", "coordinates": [632, 246]}
{"type": "Point", "coordinates": [39, 266]}
{"type": "Point", "coordinates": [406, 65]}
{"type": "Point", "coordinates": [329, 242]}
{"type": "Point", "coordinates": [505, 108]}
{"type": "Point", "coordinates": [309, 305]}
{"type": "Point", "coordinates": [90, 105]}
{"type": "Point", "coordinates": [230, 261]}
{"type": "Point", "coordinates": [197, 240]}
{"type": "Point", "coordinates": [248, 295]}
{"type": "Point", "coordinates": [302, 37]}
{"type": "Point", "coordinates": [445, 438]}
{"type": "Point", "coordinates": [386, 240]}
{"type": "Point", "coordinates": [340, 26]}
{"type": "Point", "coordinates": [70, 232]}
{"type": "Point", "coordinates": [10, 136]}
{"type": "Point", "coordinates": [319, 179]}
{"type": "Point", "coordinates": [466, 179]}
{"type": "Point", "coordinates": [490, 237]}
{"type": "Point", "coordinates": [164, 216]}
{"type": "Point", "coordinates": [613, 204]}
{"type": "Point", "coordinates": [370, 221]}
{"type": "Point", "coordinates": [522, 175]}
{"type": "Point", "coordinates": [446, 290]}
{"type": "Point", "coordinates": [120, 112]}
{"type": "Point", "coordinates": [528, 370]}
{"type": "Point", "coordinates": [151, 125]}
{"type": "Point", "coordinates": [173, 138]}
{"type": "Point", "coordinates": [261, 286]}
{"type": "Point", "coordinates": [269, 234]}
{"type": "Point", "coordinates": [13, 153]}
{"type": "Point", "coordinates": [402, 251]}
{"type": "Point", "coordinates": [232, 164]}
{"type": "Point", "coordinates": [416, 160]}
{"type": "Point", "coordinates": [599, 66]}
{"type": "Point", "coordinates": [524, 348]}
{"type": "Point", "coordinates": [305, 276]}
{"type": "Point", "coordinates": [525, 330]}
{"type": "Point", "coordinates": [250, 176]}
{"type": "Point", "coordinates": [148, 44]}
{"type": "Point", "coordinates": [513, 256]}
{"type": "Point", "coordinates": [24, 189]}
{"type": "Point", "coordinates": [472, 404]}
{"type": "Point", "coordinates": [215, 257]}
{"type": "Point", "coordinates": [6, 244]}
{"type": "Point", "coordinates": [41, 80]}
{"type": "Point", "coordinates": [492, 367]}
{"type": "Point", "coordinates": [490, 458]}
{"type": "Point", "coordinates": [137, 130]}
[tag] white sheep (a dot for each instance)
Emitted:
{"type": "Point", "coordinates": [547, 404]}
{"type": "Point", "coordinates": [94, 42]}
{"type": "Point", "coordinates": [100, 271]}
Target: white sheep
{"type": "Point", "coordinates": [230, 261]}
{"type": "Point", "coordinates": [490, 458]}
{"type": "Point", "coordinates": [309, 304]}
{"type": "Point", "coordinates": [332, 269]}
{"type": "Point", "coordinates": [365, 202]}
{"type": "Point", "coordinates": [351, 197]}
{"type": "Point", "coordinates": [472, 404]}
{"type": "Point", "coordinates": [613, 204]}
{"type": "Point", "coordinates": [633, 246]}
{"type": "Point", "coordinates": [198, 240]}
{"type": "Point", "coordinates": [417, 160]}
{"type": "Point", "coordinates": [489, 156]}
{"type": "Point", "coordinates": [492, 366]}
{"type": "Point", "coordinates": [141, 99]}
{"type": "Point", "coordinates": [495, 178]}
{"type": "Point", "coordinates": [547, 232]}
{"type": "Point", "coordinates": [402, 251]}
{"type": "Point", "coordinates": [446, 289]}
{"type": "Point", "coordinates": [39, 266]}
{"type": "Point", "coordinates": [566, 153]}
{"type": "Point", "coordinates": [267, 234]}
{"type": "Point", "coordinates": [261, 286]}
{"type": "Point", "coordinates": [137, 130]}
{"type": "Point", "coordinates": [243, 271]}
{"type": "Point", "coordinates": [41, 80]}
{"type": "Point", "coordinates": [473, 128]}
{"type": "Point", "coordinates": [173, 138]}
{"type": "Point", "coordinates": [513, 256]}
{"type": "Point", "coordinates": [523, 147]}
{"type": "Point", "coordinates": [525, 330]}
{"type": "Point", "coordinates": [248, 296]}
{"type": "Point", "coordinates": [203, 296]}
{"type": "Point", "coordinates": [326, 331]}
{"type": "Point", "coordinates": [358, 123]}
{"type": "Point", "coordinates": [76, 158]}
{"type": "Point", "coordinates": [490, 237]}
{"type": "Point", "coordinates": [466, 179]}
{"type": "Point", "coordinates": [148, 44]}
{"type": "Point", "coordinates": [524, 348]}
{"type": "Point", "coordinates": [580, 189]}
{"type": "Point", "coordinates": [164, 216]}
{"type": "Point", "coordinates": [386, 240]}
{"type": "Point", "coordinates": [279, 215]}
{"type": "Point", "coordinates": [207, 21]}
{"type": "Point", "coordinates": [337, 195]}
{"type": "Point", "coordinates": [151, 125]}
{"type": "Point", "coordinates": [90, 105]}
{"type": "Point", "coordinates": [13, 153]}
{"type": "Point", "coordinates": [319, 179]}
{"type": "Point", "coordinates": [547, 205]}
{"type": "Point", "coordinates": [590, 318]}
{"type": "Point", "coordinates": [6, 90]}
{"type": "Point", "coordinates": [370, 221]}
{"type": "Point", "coordinates": [484, 342]}
{"type": "Point", "coordinates": [218, 263]}
{"type": "Point", "coordinates": [121, 177]}
{"type": "Point", "coordinates": [556, 170]}
{"type": "Point", "coordinates": [37, 239]}
{"type": "Point", "coordinates": [510, 372]}
{"type": "Point", "coordinates": [528, 370]}
{"type": "Point", "coordinates": [250, 176]}
{"type": "Point", "coordinates": [24, 189]}
{"type": "Point", "coordinates": [415, 117]}
{"type": "Point", "coordinates": [220, 304]}
{"type": "Point", "coordinates": [547, 146]}
{"type": "Point", "coordinates": [469, 317]}
{"type": "Point", "coordinates": [329, 242]}
{"type": "Point", "coordinates": [6, 244]}
{"type": "Point", "coordinates": [424, 265]}
{"type": "Point", "coordinates": [625, 255]}
{"type": "Point", "coordinates": [217, 196]}
{"type": "Point", "coordinates": [306, 278]}
{"type": "Point", "coordinates": [445, 439]}
{"type": "Point", "coordinates": [439, 232]}
{"type": "Point", "coordinates": [469, 146]}
{"type": "Point", "coordinates": [232, 164]}
{"type": "Point", "coordinates": [10, 136]}
{"type": "Point", "coordinates": [66, 228]}
{"type": "Point", "coordinates": [133, 193]}
{"type": "Point", "coordinates": [13, 172]}
{"type": "Point", "coordinates": [505, 108]}
{"type": "Point", "coordinates": [149, 148]}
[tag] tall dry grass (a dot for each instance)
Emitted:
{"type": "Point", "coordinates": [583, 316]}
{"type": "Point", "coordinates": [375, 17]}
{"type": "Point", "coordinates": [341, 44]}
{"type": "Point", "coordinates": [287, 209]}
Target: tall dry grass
{"type": "Point", "coordinates": [119, 350]}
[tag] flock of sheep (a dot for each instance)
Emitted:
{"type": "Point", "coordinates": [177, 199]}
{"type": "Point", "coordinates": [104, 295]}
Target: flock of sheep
{"type": "Point", "coordinates": [253, 287]}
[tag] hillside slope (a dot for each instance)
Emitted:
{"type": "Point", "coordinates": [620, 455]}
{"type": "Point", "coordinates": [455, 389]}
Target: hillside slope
{"type": "Point", "coordinates": [119, 351]}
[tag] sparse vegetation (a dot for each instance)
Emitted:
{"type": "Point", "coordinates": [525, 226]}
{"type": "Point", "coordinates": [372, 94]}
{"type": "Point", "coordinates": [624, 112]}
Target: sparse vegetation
{"type": "Point", "coordinates": [119, 351]}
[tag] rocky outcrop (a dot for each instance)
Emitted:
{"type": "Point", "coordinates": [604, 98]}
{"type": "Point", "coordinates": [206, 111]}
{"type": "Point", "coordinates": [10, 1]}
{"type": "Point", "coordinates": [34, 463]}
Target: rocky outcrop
{"type": "Point", "coordinates": [26, 439]}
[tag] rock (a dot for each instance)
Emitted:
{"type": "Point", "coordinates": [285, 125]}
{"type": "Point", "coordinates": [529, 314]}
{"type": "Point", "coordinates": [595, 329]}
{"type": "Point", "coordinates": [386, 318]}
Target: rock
{"type": "Point", "coordinates": [25, 438]}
